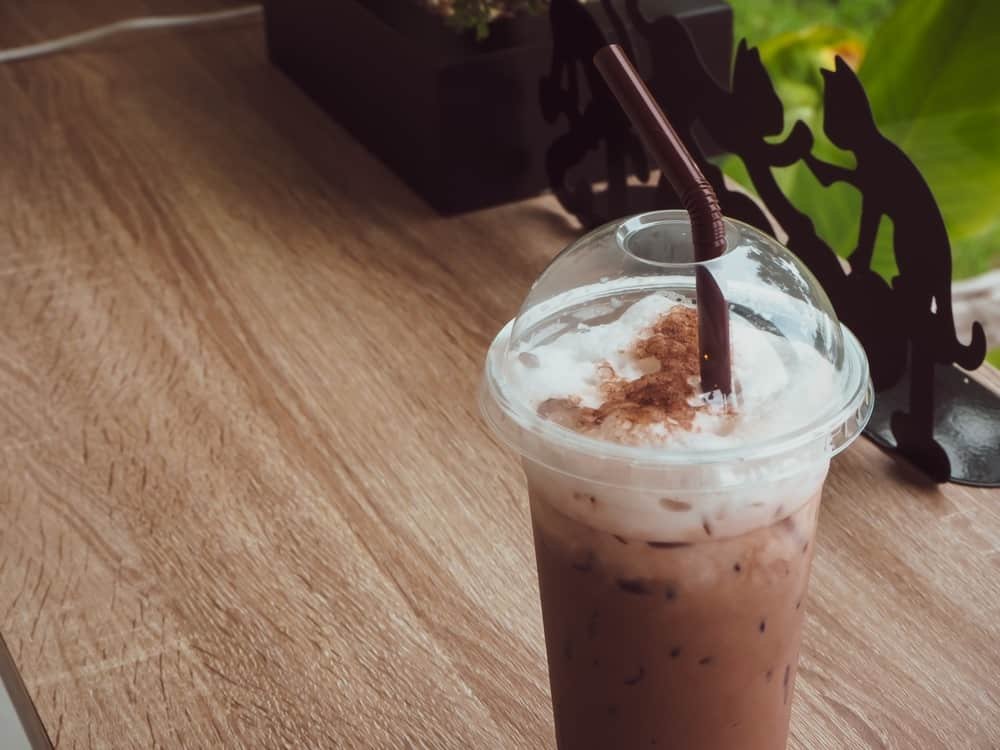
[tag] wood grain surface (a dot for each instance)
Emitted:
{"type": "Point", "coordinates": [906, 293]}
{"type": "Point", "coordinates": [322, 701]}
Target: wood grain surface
{"type": "Point", "coordinates": [246, 497]}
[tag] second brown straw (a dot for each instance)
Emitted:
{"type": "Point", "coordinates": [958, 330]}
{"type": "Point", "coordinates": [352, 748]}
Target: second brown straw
{"type": "Point", "coordinates": [708, 233]}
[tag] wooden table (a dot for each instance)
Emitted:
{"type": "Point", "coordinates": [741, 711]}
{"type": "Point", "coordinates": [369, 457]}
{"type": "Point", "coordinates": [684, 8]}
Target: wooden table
{"type": "Point", "coordinates": [246, 497]}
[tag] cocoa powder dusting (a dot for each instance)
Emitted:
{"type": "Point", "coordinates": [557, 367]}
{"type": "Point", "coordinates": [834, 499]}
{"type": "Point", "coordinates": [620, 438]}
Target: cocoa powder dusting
{"type": "Point", "coordinates": [657, 397]}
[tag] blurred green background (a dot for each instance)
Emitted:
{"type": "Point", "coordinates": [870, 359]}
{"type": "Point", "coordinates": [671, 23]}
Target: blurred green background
{"type": "Point", "coordinates": [930, 69]}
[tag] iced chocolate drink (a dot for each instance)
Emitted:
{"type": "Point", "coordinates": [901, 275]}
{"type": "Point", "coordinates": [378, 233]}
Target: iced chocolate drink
{"type": "Point", "coordinates": [673, 528]}
{"type": "Point", "coordinates": [655, 644]}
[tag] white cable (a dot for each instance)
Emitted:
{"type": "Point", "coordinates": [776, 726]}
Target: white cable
{"type": "Point", "coordinates": [132, 24]}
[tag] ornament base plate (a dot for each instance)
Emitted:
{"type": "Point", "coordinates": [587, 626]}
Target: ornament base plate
{"type": "Point", "coordinates": [966, 428]}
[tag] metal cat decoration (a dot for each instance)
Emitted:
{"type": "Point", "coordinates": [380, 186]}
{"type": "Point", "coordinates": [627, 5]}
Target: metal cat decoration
{"type": "Point", "coordinates": [599, 120]}
{"type": "Point", "coordinates": [929, 411]}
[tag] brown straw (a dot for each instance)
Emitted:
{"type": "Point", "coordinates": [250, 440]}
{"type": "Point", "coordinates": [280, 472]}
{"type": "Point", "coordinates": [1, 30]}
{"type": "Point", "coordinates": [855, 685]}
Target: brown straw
{"type": "Point", "coordinates": [708, 234]}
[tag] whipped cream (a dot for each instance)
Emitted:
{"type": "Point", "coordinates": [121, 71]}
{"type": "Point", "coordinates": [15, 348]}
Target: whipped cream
{"type": "Point", "coordinates": [778, 383]}
{"type": "Point", "coordinates": [780, 386]}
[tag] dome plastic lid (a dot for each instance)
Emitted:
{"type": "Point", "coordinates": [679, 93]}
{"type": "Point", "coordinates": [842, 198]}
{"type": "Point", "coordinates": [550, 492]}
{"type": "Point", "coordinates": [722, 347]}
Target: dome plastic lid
{"type": "Point", "coordinates": [598, 277]}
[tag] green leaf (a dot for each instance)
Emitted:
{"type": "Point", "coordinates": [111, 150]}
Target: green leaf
{"type": "Point", "coordinates": [760, 20]}
{"type": "Point", "coordinates": [928, 73]}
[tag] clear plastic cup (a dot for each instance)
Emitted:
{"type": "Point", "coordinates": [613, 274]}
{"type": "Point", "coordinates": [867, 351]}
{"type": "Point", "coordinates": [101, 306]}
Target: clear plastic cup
{"type": "Point", "coordinates": [672, 579]}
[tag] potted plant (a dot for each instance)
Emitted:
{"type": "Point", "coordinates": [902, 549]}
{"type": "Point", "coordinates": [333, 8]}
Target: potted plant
{"type": "Point", "coordinates": [446, 91]}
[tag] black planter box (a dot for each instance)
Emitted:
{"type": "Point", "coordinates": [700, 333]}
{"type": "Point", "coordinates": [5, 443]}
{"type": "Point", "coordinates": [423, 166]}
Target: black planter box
{"type": "Point", "coordinates": [458, 119]}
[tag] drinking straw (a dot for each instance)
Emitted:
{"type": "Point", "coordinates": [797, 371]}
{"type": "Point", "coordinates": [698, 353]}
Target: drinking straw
{"type": "Point", "coordinates": [708, 233]}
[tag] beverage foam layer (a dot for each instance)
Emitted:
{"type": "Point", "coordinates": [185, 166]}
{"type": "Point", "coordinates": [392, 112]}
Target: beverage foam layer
{"type": "Point", "coordinates": [634, 381]}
